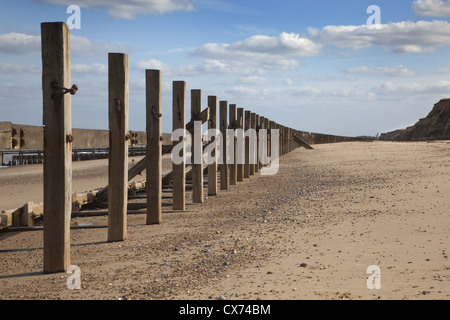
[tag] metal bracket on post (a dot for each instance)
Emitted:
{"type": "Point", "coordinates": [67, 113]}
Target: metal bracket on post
{"type": "Point", "coordinates": [69, 138]}
{"type": "Point", "coordinates": [72, 90]}
{"type": "Point", "coordinates": [157, 116]}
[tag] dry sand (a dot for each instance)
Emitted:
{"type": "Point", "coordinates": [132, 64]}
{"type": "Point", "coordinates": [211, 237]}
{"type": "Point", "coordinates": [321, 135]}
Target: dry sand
{"type": "Point", "coordinates": [309, 232]}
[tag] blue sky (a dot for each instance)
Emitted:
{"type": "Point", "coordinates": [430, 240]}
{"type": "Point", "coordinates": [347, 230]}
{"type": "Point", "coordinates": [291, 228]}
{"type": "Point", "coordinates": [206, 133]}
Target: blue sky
{"type": "Point", "coordinates": [310, 65]}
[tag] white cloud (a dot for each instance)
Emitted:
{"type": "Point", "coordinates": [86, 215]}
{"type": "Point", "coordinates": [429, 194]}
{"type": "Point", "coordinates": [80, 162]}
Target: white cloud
{"type": "Point", "coordinates": [221, 6]}
{"type": "Point", "coordinates": [16, 68]}
{"type": "Point", "coordinates": [254, 80]}
{"type": "Point", "coordinates": [412, 48]}
{"type": "Point", "coordinates": [397, 71]}
{"type": "Point", "coordinates": [95, 68]}
{"type": "Point", "coordinates": [262, 52]}
{"type": "Point", "coordinates": [386, 91]}
{"type": "Point", "coordinates": [329, 94]}
{"type": "Point", "coordinates": [289, 44]}
{"type": "Point", "coordinates": [303, 91]}
{"type": "Point", "coordinates": [317, 77]}
{"type": "Point", "coordinates": [402, 37]}
{"type": "Point", "coordinates": [25, 44]}
{"type": "Point", "coordinates": [244, 92]}
{"type": "Point", "coordinates": [285, 44]}
{"type": "Point", "coordinates": [153, 64]}
{"type": "Point", "coordinates": [288, 81]}
{"type": "Point", "coordinates": [433, 8]}
{"type": "Point", "coordinates": [22, 92]}
{"type": "Point", "coordinates": [20, 44]}
{"type": "Point", "coordinates": [131, 8]}
{"type": "Point", "coordinates": [209, 66]}
{"type": "Point", "coordinates": [444, 70]}
{"type": "Point", "coordinates": [404, 90]}
{"type": "Point", "coordinates": [226, 52]}
{"type": "Point", "coordinates": [83, 46]}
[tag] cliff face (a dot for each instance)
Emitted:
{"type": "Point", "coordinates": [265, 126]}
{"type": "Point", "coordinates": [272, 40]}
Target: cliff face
{"type": "Point", "coordinates": [435, 126]}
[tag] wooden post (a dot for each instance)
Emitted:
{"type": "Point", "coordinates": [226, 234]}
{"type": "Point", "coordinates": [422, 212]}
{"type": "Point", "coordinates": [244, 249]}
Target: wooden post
{"type": "Point", "coordinates": [154, 146]}
{"type": "Point", "coordinates": [240, 157]}
{"type": "Point", "coordinates": [288, 139]}
{"type": "Point", "coordinates": [223, 129]}
{"type": "Point", "coordinates": [247, 145]}
{"type": "Point", "coordinates": [281, 139]}
{"type": "Point", "coordinates": [27, 215]}
{"type": "Point", "coordinates": [179, 122]}
{"type": "Point", "coordinates": [291, 147]}
{"type": "Point", "coordinates": [57, 120]}
{"type": "Point", "coordinates": [263, 147]}
{"type": "Point", "coordinates": [258, 126]}
{"type": "Point", "coordinates": [212, 125]}
{"type": "Point", "coordinates": [118, 146]}
{"type": "Point", "coordinates": [233, 165]}
{"type": "Point", "coordinates": [277, 127]}
{"type": "Point", "coordinates": [252, 155]}
{"type": "Point", "coordinates": [197, 148]}
{"type": "Point", "coordinates": [269, 125]}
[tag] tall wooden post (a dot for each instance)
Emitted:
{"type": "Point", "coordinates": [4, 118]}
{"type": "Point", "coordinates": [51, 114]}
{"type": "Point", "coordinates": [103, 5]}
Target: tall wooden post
{"type": "Point", "coordinates": [280, 128]}
{"type": "Point", "coordinates": [262, 145]}
{"type": "Point", "coordinates": [154, 146]}
{"type": "Point", "coordinates": [233, 165]}
{"type": "Point", "coordinates": [290, 131]}
{"type": "Point", "coordinates": [247, 145]}
{"type": "Point", "coordinates": [252, 146]}
{"type": "Point", "coordinates": [223, 121]}
{"type": "Point", "coordinates": [239, 136]}
{"type": "Point", "coordinates": [57, 120]}
{"type": "Point", "coordinates": [179, 122]}
{"type": "Point", "coordinates": [258, 126]}
{"type": "Point", "coordinates": [118, 146]}
{"type": "Point", "coordinates": [269, 126]}
{"type": "Point", "coordinates": [197, 148]}
{"type": "Point", "coordinates": [286, 138]}
{"type": "Point", "coordinates": [280, 131]}
{"type": "Point", "coordinates": [212, 125]}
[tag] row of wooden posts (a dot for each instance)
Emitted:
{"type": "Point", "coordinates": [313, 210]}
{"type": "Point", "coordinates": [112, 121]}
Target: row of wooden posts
{"type": "Point", "coordinates": [57, 91]}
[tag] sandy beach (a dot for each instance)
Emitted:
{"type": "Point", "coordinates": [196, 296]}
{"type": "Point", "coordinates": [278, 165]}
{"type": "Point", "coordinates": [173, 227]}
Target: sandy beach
{"type": "Point", "coordinates": [309, 232]}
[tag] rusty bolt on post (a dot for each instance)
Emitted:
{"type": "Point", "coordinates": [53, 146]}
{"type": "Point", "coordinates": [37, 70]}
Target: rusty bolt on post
{"type": "Point", "coordinates": [118, 105]}
{"type": "Point", "coordinates": [157, 116]}
{"type": "Point", "coordinates": [69, 138]}
{"type": "Point", "coordinates": [72, 90]}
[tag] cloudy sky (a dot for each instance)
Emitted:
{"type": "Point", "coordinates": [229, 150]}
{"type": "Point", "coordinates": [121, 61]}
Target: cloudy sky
{"type": "Point", "coordinates": [310, 65]}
